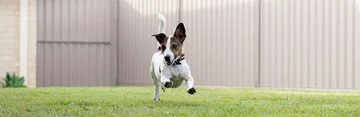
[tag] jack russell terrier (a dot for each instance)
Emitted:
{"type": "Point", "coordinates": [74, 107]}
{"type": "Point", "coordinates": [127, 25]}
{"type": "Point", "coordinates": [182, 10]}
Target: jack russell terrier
{"type": "Point", "coordinates": [168, 68]}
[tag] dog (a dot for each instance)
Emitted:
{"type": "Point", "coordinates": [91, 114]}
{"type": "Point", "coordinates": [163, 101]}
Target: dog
{"type": "Point", "coordinates": [168, 69]}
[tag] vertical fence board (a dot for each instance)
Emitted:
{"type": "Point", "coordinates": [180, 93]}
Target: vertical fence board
{"type": "Point", "coordinates": [48, 48]}
{"type": "Point", "coordinates": [56, 47]}
{"type": "Point", "coordinates": [72, 37]}
{"type": "Point", "coordinates": [65, 23]}
{"type": "Point", "coordinates": [40, 80]}
{"type": "Point", "coordinates": [356, 37]}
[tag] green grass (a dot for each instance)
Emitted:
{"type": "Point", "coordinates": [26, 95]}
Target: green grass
{"type": "Point", "coordinates": [137, 101]}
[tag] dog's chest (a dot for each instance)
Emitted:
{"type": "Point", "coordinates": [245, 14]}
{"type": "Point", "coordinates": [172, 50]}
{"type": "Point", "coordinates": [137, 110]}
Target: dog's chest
{"type": "Point", "coordinates": [177, 77]}
{"type": "Point", "coordinates": [175, 71]}
{"type": "Point", "coordinates": [177, 81]}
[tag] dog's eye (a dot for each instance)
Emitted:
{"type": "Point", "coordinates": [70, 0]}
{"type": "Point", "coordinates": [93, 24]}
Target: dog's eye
{"type": "Point", "coordinates": [163, 47]}
{"type": "Point", "coordinates": [174, 46]}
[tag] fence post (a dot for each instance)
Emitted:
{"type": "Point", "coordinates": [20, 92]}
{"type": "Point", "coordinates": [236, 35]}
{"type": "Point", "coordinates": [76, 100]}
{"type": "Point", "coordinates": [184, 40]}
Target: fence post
{"type": "Point", "coordinates": [258, 82]}
{"type": "Point", "coordinates": [180, 5]}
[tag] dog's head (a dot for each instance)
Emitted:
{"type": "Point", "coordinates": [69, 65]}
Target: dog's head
{"type": "Point", "coordinates": [171, 46]}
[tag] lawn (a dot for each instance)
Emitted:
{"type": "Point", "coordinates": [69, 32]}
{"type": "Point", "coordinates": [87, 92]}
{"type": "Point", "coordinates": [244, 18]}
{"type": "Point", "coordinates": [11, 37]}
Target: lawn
{"type": "Point", "coordinates": [137, 101]}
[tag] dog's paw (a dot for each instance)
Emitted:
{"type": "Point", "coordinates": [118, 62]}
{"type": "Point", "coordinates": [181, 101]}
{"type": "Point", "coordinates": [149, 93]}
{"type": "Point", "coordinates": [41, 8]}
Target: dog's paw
{"type": "Point", "coordinates": [163, 89]}
{"type": "Point", "coordinates": [156, 99]}
{"type": "Point", "coordinates": [192, 91]}
{"type": "Point", "coordinates": [168, 84]}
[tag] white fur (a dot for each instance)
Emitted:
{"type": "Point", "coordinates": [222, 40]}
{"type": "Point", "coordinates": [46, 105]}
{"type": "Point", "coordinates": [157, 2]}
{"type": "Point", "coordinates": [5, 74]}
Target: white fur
{"type": "Point", "coordinates": [168, 51]}
{"type": "Point", "coordinates": [162, 23]}
{"type": "Point", "coordinates": [174, 73]}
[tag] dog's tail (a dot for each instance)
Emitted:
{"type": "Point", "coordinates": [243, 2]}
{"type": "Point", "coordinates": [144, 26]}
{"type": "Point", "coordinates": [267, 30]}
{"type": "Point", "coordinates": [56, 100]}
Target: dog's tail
{"type": "Point", "coordinates": [162, 23]}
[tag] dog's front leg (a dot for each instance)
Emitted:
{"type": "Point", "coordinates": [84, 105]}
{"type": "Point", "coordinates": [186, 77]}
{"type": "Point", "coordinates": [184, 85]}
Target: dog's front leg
{"type": "Point", "coordinates": [165, 79]}
{"type": "Point", "coordinates": [190, 83]}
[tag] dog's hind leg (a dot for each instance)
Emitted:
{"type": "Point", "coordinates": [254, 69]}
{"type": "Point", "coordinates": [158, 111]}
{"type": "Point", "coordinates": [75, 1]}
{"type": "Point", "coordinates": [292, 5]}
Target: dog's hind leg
{"type": "Point", "coordinates": [157, 92]}
{"type": "Point", "coordinates": [156, 82]}
{"type": "Point", "coordinates": [157, 87]}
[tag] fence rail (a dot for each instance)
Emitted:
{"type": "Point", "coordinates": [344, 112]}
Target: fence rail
{"type": "Point", "coordinates": [74, 42]}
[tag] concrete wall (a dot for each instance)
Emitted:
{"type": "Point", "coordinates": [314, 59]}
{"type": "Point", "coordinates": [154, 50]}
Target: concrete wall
{"type": "Point", "coordinates": [9, 39]}
{"type": "Point", "coordinates": [9, 36]}
{"type": "Point", "coordinates": [32, 43]}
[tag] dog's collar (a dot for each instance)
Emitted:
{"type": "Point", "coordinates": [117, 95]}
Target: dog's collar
{"type": "Point", "coordinates": [178, 59]}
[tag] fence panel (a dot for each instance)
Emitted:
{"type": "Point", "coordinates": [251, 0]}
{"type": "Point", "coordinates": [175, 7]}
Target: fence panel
{"type": "Point", "coordinates": [310, 44]}
{"type": "Point", "coordinates": [75, 40]}
{"type": "Point", "coordinates": [222, 42]}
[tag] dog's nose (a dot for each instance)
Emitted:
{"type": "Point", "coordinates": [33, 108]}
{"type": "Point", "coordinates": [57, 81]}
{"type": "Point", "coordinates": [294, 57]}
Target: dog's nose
{"type": "Point", "coordinates": [167, 58]}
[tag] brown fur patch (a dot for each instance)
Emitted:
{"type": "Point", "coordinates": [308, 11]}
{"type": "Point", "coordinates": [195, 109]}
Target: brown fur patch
{"type": "Point", "coordinates": [162, 39]}
{"type": "Point", "coordinates": [163, 44]}
{"type": "Point", "coordinates": [176, 46]}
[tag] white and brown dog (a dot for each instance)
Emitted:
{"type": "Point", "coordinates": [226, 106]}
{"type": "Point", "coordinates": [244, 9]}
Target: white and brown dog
{"type": "Point", "coordinates": [168, 69]}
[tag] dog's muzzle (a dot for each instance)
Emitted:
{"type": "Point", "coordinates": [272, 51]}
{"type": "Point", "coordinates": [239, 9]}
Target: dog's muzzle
{"type": "Point", "coordinates": [167, 59]}
{"type": "Point", "coordinates": [176, 61]}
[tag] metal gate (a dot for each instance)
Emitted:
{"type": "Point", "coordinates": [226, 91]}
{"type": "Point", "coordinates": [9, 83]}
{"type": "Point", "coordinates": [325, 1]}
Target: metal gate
{"type": "Point", "coordinates": [76, 43]}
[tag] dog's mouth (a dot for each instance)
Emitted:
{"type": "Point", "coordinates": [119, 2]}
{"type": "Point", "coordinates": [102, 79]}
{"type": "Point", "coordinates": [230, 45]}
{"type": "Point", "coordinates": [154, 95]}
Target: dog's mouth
{"type": "Point", "coordinates": [168, 63]}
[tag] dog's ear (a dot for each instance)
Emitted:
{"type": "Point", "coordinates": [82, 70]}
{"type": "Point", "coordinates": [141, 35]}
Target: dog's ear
{"type": "Point", "coordinates": [160, 37]}
{"type": "Point", "coordinates": [180, 32]}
